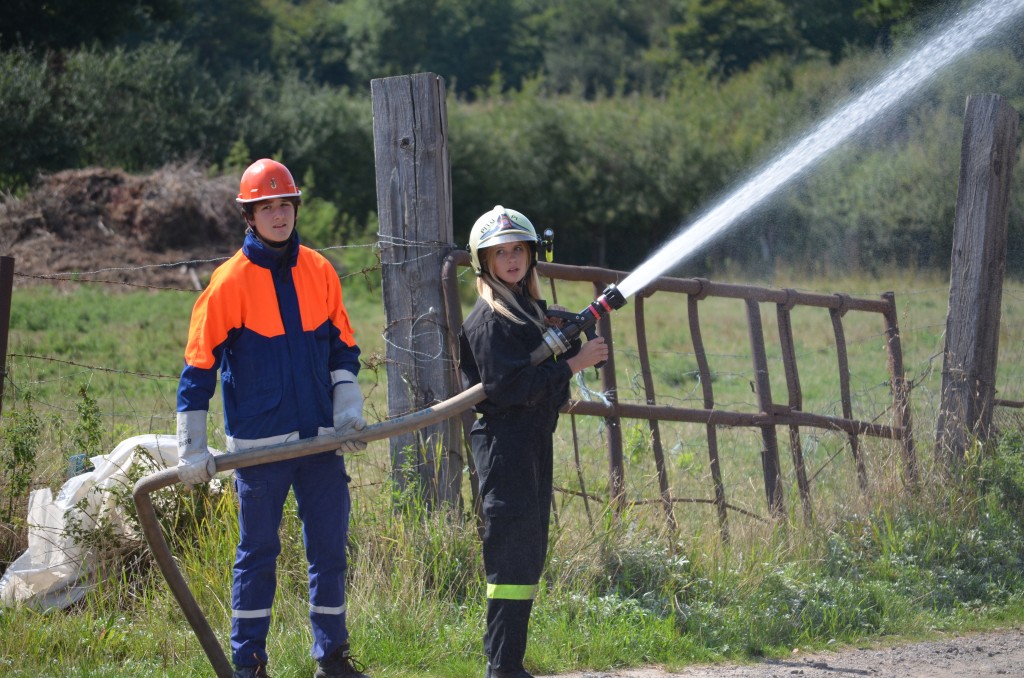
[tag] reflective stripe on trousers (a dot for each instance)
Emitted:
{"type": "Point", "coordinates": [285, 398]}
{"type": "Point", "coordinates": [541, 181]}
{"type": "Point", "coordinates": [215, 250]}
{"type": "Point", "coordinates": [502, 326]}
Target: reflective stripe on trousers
{"type": "Point", "coordinates": [512, 591]}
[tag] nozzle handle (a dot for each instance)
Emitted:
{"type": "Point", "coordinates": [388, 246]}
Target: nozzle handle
{"type": "Point", "coordinates": [579, 320]}
{"type": "Point", "coordinates": [575, 324]}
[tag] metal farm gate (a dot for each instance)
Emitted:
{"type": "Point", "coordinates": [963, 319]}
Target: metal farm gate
{"type": "Point", "coordinates": [771, 416]}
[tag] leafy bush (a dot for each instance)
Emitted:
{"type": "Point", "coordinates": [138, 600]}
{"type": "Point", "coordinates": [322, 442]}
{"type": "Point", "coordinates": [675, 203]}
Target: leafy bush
{"type": "Point", "coordinates": [33, 131]}
{"type": "Point", "coordinates": [613, 175]}
{"type": "Point", "coordinates": [947, 558]}
{"type": "Point", "coordinates": [317, 131]}
{"type": "Point", "coordinates": [142, 108]}
{"type": "Point", "coordinates": [1002, 475]}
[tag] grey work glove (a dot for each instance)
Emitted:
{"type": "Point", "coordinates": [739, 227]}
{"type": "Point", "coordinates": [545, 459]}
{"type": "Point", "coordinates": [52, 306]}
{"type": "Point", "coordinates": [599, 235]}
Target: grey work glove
{"type": "Point", "coordinates": [348, 410]}
{"type": "Point", "coordinates": [195, 463]}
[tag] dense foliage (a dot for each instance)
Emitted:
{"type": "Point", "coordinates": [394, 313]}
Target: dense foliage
{"type": "Point", "coordinates": [613, 122]}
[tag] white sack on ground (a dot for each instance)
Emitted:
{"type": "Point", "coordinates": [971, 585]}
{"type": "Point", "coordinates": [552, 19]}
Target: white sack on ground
{"type": "Point", "coordinates": [55, 572]}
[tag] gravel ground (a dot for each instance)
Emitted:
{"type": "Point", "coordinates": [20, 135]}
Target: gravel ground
{"type": "Point", "coordinates": [984, 655]}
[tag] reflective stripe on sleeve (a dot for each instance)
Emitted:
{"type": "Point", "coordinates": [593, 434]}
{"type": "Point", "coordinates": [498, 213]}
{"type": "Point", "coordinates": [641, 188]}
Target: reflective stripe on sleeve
{"type": "Point", "coordinates": [512, 591]}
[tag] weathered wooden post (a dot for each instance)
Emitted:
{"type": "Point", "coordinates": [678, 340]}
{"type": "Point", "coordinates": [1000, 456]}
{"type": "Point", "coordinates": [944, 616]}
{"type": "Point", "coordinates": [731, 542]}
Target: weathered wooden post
{"type": "Point", "coordinates": [6, 285]}
{"type": "Point", "coordinates": [410, 139]}
{"type": "Point", "coordinates": [976, 275]}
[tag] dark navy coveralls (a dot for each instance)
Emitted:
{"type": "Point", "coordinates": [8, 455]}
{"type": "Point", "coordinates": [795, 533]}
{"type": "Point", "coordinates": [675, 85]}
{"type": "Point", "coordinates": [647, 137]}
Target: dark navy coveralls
{"type": "Point", "coordinates": [512, 448]}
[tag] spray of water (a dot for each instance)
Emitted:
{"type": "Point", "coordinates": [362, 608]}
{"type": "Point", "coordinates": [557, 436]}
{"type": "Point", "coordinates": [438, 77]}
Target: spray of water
{"type": "Point", "coordinates": [950, 43]}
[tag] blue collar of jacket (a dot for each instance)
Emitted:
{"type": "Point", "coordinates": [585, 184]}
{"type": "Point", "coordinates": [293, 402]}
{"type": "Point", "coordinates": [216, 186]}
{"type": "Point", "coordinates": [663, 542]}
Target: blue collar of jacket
{"type": "Point", "coordinates": [259, 253]}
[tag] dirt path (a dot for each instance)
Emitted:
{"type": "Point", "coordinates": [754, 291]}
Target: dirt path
{"type": "Point", "coordinates": [986, 655]}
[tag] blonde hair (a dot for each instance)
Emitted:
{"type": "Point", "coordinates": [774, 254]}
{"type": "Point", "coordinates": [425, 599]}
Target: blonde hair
{"type": "Point", "coordinates": [501, 298]}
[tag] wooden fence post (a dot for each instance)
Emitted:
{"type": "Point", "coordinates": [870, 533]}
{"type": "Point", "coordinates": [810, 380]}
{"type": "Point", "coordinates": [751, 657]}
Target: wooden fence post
{"type": "Point", "coordinates": [976, 275]}
{"type": "Point", "coordinates": [410, 140]}
{"type": "Point", "coordinates": [6, 284]}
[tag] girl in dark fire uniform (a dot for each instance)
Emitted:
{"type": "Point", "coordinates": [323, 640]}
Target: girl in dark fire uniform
{"type": "Point", "coordinates": [512, 439]}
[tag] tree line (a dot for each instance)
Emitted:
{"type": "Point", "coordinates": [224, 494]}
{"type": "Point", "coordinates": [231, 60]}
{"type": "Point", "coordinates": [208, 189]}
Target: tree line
{"type": "Point", "coordinates": [578, 45]}
{"type": "Point", "coordinates": [613, 122]}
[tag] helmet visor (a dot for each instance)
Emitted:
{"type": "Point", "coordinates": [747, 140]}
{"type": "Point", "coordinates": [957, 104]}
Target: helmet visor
{"type": "Point", "coordinates": [503, 230]}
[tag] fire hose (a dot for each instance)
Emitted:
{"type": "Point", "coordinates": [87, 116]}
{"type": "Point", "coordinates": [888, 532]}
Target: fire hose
{"type": "Point", "coordinates": [556, 341]}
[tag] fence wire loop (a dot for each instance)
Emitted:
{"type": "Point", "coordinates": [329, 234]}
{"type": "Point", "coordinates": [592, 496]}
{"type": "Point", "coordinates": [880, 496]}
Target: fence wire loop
{"type": "Point", "coordinates": [844, 303]}
{"type": "Point", "coordinates": [790, 303]}
{"type": "Point", "coordinates": [704, 288]}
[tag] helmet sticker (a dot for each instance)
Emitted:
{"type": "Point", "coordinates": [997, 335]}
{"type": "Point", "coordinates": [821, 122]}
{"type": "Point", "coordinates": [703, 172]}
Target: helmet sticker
{"type": "Point", "coordinates": [503, 223]}
{"type": "Point", "coordinates": [265, 179]}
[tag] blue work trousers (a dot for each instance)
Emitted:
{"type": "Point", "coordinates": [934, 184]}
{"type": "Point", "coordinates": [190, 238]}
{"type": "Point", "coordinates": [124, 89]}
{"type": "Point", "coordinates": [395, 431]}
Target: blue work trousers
{"type": "Point", "coordinates": [322, 496]}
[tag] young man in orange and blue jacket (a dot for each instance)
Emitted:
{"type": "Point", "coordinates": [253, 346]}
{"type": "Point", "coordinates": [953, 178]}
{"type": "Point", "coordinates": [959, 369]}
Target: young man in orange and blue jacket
{"type": "Point", "coordinates": [273, 323]}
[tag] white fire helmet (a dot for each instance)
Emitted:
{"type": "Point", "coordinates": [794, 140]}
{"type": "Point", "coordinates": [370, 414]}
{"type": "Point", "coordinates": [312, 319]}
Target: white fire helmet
{"type": "Point", "coordinates": [497, 227]}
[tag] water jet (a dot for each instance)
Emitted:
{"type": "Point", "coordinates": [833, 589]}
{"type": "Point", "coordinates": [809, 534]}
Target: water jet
{"type": "Point", "coordinates": [947, 45]}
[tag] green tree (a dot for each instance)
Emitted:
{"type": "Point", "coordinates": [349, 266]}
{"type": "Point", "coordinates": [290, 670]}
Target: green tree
{"type": "Point", "coordinates": [599, 46]}
{"type": "Point", "coordinates": [832, 27]}
{"type": "Point", "coordinates": [63, 24]}
{"type": "Point", "coordinates": [313, 128]}
{"type": "Point", "coordinates": [468, 42]}
{"type": "Point", "coordinates": [883, 13]}
{"type": "Point", "coordinates": [140, 109]}
{"type": "Point", "coordinates": [309, 37]}
{"type": "Point", "coordinates": [32, 134]}
{"type": "Point", "coordinates": [734, 34]}
{"type": "Point", "coordinates": [223, 35]}
{"type": "Point", "coordinates": [900, 18]}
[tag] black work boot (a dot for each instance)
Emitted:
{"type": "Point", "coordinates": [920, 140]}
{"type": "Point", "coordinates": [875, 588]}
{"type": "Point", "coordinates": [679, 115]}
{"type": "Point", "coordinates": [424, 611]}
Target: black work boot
{"type": "Point", "coordinates": [514, 673]}
{"type": "Point", "coordinates": [257, 671]}
{"type": "Point", "coordinates": [340, 664]}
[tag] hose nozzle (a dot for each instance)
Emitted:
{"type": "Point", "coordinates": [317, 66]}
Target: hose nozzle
{"type": "Point", "coordinates": [611, 299]}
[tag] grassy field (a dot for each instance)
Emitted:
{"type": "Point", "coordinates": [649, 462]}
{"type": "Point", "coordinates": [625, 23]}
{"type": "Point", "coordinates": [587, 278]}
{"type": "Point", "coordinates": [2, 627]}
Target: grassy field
{"type": "Point", "coordinates": [620, 589]}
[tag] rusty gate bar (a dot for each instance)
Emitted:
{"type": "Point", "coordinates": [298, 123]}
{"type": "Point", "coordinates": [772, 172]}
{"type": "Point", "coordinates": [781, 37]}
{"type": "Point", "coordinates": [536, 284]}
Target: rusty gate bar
{"type": "Point", "coordinates": [704, 370]}
{"type": "Point", "coordinates": [796, 399]}
{"type": "Point", "coordinates": [579, 470]}
{"type": "Point", "coordinates": [698, 286]}
{"type": "Point", "coordinates": [655, 428]}
{"type": "Point", "coordinates": [763, 388]}
{"type": "Point", "coordinates": [728, 418]}
{"type": "Point", "coordinates": [453, 319]}
{"type": "Point", "coordinates": [900, 390]}
{"type": "Point", "coordinates": [554, 504]}
{"type": "Point", "coordinates": [616, 468]}
{"type": "Point", "coordinates": [575, 443]}
{"type": "Point", "coordinates": [771, 416]}
{"type": "Point", "coordinates": [844, 387]}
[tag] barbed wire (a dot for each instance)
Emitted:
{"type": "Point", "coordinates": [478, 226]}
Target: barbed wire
{"type": "Point", "coordinates": [71, 275]}
{"type": "Point", "coordinates": [385, 239]}
{"type": "Point", "coordinates": [426, 330]}
{"type": "Point", "coordinates": [112, 282]}
{"type": "Point", "coordinates": [439, 334]}
{"type": "Point", "coordinates": [96, 368]}
{"type": "Point", "coordinates": [186, 264]}
{"type": "Point", "coordinates": [433, 246]}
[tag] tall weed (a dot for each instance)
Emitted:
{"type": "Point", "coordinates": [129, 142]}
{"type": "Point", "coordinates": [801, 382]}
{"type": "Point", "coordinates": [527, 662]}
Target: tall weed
{"type": "Point", "coordinates": [19, 441]}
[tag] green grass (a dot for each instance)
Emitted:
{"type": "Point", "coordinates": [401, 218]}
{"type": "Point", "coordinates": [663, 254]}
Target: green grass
{"type": "Point", "coordinates": [618, 590]}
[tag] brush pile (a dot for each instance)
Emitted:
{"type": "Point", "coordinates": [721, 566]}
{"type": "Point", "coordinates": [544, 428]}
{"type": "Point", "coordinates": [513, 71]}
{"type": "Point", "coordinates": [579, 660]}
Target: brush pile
{"type": "Point", "coordinates": [161, 229]}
